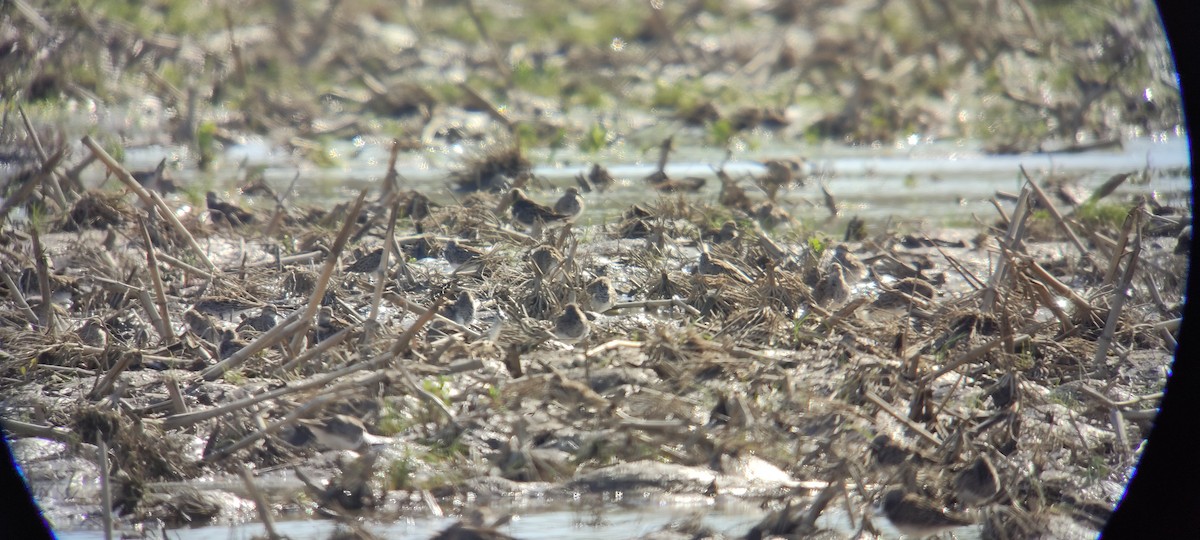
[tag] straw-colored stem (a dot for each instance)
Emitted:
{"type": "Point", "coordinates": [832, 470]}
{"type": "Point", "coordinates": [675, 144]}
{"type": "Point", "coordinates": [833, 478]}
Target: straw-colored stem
{"type": "Point", "coordinates": [149, 198]}
{"type": "Point", "coordinates": [156, 280]}
{"type": "Point", "coordinates": [339, 244]}
{"type": "Point", "coordinates": [183, 420]}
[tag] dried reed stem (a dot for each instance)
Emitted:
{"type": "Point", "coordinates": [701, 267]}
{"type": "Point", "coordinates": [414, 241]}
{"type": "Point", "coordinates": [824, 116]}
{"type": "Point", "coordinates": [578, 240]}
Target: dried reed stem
{"type": "Point", "coordinates": [382, 271]}
{"type": "Point", "coordinates": [1119, 296]}
{"type": "Point", "coordinates": [149, 198]}
{"type": "Point", "coordinates": [260, 502]}
{"type": "Point", "coordinates": [339, 244]}
{"type": "Point", "coordinates": [156, 280]}
{"type": "Point", "coordinates": [43, 277]}
{"type": "Point", "coordinates": [105, 487]}
{"type": "Point", "coordinates": [183, 420]}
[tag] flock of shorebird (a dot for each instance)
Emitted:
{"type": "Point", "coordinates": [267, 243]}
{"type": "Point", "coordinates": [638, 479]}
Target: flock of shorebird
{"type": "Point", "coordinates": [909, 513]}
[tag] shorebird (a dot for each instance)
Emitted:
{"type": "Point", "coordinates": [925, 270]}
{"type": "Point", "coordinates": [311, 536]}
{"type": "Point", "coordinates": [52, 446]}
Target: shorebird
{"type": "Point", "coordinates": [889, 454]}
{"type": "Point", "coordinates": [572, 326]}
{"type": "Point", "coordinates": [716, 267]}
{"type": "Point", "coordinates": [462, 311]}
{"type": "Point", "coordinates": [221, 306]}
{"type": "Point", "coordinates": [854, 269]}
{"type": "Point", "coordinates": [366, 263]}
{"type": "Point", "coordinates": [978, 483]}
{"type": "Point", "coordinates": [779, 175]}
{"type": "Point", "coordinates": [601, 294]}
{"type": "Point", "coordinates": [229, 344]}
{"type": "Point", "coordinates": [545, 259]}
{"type": "Point", "coordinates": [231, 213]}
{"type": "Point", "coordinates": [93, 334]}
{"type": "Point", "coordinates": [530, 214]}
{"type": "Point", "coordinates": [728, 233]}
{"type": "Point", "coordinates": [914, 516]}
{"type": "Point", "coordinates": [341, 432]}
{"type": "Point", "coordinates": [202, 325]}
{"type": "Point", "coordinates": [570, 204]}
{"type": "Point", "coordinates": [458, 254]}
{"type": "Point", "coordinates": [886, 452]}
{"type": "Point", "coordinates": [832, 290]}
{"type": "Point", "coordinates": [266, 319]}
{"type": "Point", "coordinates": [327, 325]}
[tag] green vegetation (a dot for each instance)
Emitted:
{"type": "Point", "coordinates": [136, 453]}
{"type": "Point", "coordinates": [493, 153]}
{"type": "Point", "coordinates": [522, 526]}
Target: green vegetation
{"type": "Point", "coordinates": [720, 132]}
{"type": "Point", "coordinates": [235, 377]}
{"type": "Point", "coordinates": [400, 475]}
{"type": "Point", "coordinates": [1102, 215]}
{"type": "Point", "coordinates": [1066, 71]}
{"type": "Point", "coordinates": [595, 139]}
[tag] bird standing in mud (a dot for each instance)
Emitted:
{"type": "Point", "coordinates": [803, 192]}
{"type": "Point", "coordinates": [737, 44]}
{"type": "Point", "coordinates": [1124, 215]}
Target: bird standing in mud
{"type": "Point", "coordinates": [326, 325]}
{"type": "Point", "coordinates": [366, 263]}
{"type": "Point", "coordinates": [728, 233]}
{"type": "Point", "coordinates": [572, 326]}
{"type": "Point", "coordinates": [231, 213]}
{"type": "Point", "coordinates": [713, 266]}
{"type": "Point", "coordinates": [853, 269]}
{"type": "Point", "coordinates": [545, 259]}
{"type": "Point", "coordinates": [978, 483]}
{"type": "Point", "coordinates": [887, 453]}
{"type": "Point", "coordinates": [917, 517]}
{"type": "Point", "coordinates": [458, 254]}
{"type": "Point", "coordinates": [93, 333]}
{"type": "Point", "coordinates": [570, 204]}
{"type": "Point", "coordinates": [462, 311]}
{"type": "Point", "coordinates": [266, 319]}
{"type": "Point", "coordinates": [832, 290]}
{"type": "Point", "coordinates": [341, 432]}
{"type": "Point", "coordinates": [230, 343]}
{"type": "Point", "coordinates": [601, 294]}
{"type": "Point", "coordinates": [531, 214]}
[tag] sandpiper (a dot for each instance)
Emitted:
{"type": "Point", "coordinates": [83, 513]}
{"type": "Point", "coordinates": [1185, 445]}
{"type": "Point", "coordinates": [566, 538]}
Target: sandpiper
{"type": "Point", "coordinates": [230, 343]}
{"type": "Point", "coordinates": [570, 204]}
{"type": "Point", "coordinates": [978, 483]}
{"type": "Point", "coordinates": [266, 319]}
{"type": "Point", "coordinates": [93, 334]}
{"type": "Point", "coordinates": [832, 290]}
{"type": "Point", "coordinates": [327, 325]}
{"type": "Point", "coordinates": [458, 254]}
{"type": "Point", "coordinates": [202, 325]}
{"type": "Point", "coordinates": [716, 267]}
{"type": "Point", "coordinates": [853, 268]}
{"type": "Point", "coordinates": [890, 454]}
{"type": "Point", "coordinates": [462, 311]}
{"type": "Point", "coordinates": [341, 432]}
{"type": "Point", "coordinates": [779, 174]}
{"type": "Point", "coordinates": [728, 233]}
{"type": "Point", "coordinates": [572, 325]}
{"type": "Point", "coordinates": [232, 213]}
{"type": "Point", "coordinates": [886, 452]}
{"type": "Point", "coordinates": [601, 294]}
{"type": "Point", "coordinates": [221, 306]}
{"type": "Point", "coordinates": [915, 516]}
{"type": "Point", "coordinates": [545, 259]}
{"type": "Point", "coordinates": [530, 214]}
{"type": "Point", "coordinates": [366, 263]}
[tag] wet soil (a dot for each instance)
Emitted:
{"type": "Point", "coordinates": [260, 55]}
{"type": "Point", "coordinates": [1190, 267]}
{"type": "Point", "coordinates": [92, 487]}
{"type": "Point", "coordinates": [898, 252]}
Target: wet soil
{"type": "Point", "coordinates": [764, 378]}
{"type": "Point", "coordinates": [172, 359]}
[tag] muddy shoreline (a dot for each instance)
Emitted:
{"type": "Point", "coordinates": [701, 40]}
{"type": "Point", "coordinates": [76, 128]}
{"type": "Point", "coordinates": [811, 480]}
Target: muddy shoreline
{"type": "Point", "coordinates": [171, 358]}
{"type": "Point", "coordinates": [767, 377]}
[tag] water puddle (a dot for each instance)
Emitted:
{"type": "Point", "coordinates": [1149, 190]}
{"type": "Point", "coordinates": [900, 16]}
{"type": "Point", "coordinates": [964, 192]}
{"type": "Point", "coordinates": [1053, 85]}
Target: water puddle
{"type": "Point", "coordinates": [937, 183]}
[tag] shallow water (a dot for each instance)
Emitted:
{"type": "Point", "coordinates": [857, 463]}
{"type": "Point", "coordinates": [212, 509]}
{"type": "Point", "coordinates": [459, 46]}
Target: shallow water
{"type": "Point", "coordinates": [932, 184]}
{"type": "Point", "coordinates": [926, 184]}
